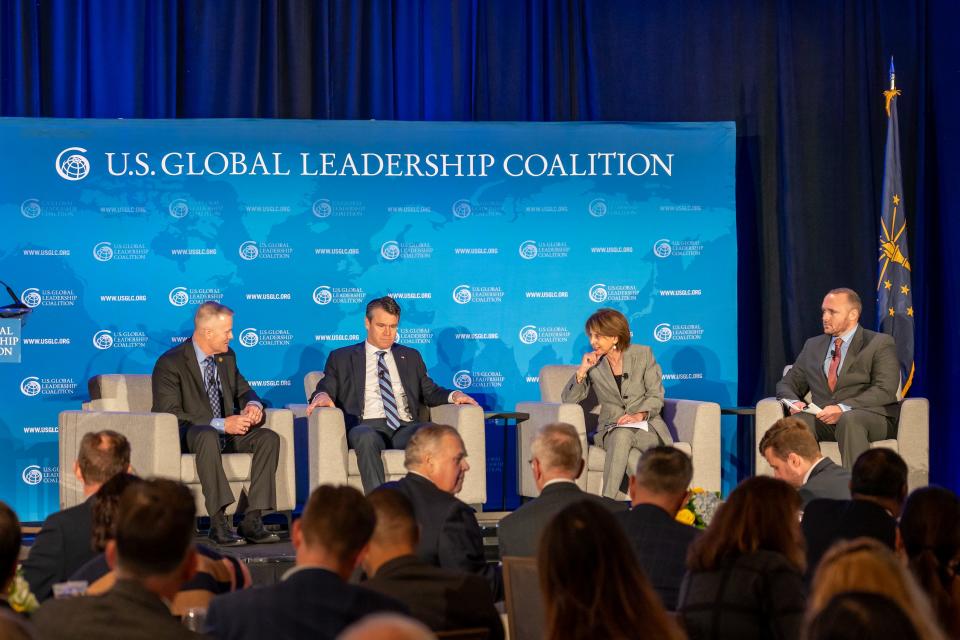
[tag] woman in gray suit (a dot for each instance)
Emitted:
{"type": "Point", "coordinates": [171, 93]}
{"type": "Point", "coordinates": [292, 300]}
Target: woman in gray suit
{"type": "Point", "coordinates": [628, 383]}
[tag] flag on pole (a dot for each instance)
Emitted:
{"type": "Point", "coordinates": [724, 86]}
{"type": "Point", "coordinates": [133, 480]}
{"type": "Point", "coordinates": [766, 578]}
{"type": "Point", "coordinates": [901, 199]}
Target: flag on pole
{"type": "Point", "coordinates": [895, 312]}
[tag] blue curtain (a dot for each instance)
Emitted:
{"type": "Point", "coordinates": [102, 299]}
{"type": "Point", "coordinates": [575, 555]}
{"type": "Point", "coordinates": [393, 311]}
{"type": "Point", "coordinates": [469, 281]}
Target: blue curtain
{"type": "Point", "coordinates": [802, 79]}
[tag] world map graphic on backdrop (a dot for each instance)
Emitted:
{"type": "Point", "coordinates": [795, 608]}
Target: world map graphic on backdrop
{"type": "Point", "coordinates": [497, 239]}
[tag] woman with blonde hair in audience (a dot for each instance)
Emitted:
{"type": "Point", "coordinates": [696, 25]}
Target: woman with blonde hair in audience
{"type": "Point", "coordinates": [930, 531]}
{"type": "Point", "coordinates": [591, 583]}
{"type": "Point", "coordinates": [867, 565]}
{"type": "Point", "coordinates": [745, 573]}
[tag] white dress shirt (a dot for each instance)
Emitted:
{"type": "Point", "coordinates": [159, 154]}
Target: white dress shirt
{"type": "Point", "coordinates": [372, 402]}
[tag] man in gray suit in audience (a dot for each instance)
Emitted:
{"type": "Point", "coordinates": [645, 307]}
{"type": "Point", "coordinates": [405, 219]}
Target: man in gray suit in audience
{"type": "Point", "coordinates": [557, 461]}
{"type": "Point", "coordinates": [852, 375]}
{"type": "Point", "coordinates": [795, 456]}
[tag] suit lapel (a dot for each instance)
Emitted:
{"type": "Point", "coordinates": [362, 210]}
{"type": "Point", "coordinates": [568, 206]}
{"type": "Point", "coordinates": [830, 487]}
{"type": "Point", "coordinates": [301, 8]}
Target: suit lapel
{"type": "Point", "coordinates": [403, 367]}
{"type": "Point", "coordinates": [226, 387]}
{"type": "Point", "coordinates": [606, 374]}
{"type": "Point", "coordinates": [190, 358]}
{"type": "Point", "coordinates": [358, 362]}
{"type": "Point", "coordinates": [856, 344]}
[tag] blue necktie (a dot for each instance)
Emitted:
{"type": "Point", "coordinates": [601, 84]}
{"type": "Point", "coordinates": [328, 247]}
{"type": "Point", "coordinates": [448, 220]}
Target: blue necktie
{"type": "Point", "coordinates": [386, 393]}
{"type": "Point", "coordinates": [213, 389]}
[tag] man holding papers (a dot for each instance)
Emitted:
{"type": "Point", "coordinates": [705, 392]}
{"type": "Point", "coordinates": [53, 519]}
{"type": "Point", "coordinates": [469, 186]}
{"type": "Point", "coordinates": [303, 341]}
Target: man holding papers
{"type": "Point", "coordinates": [852, 375]}
{"type": "Point", "coordinates": [628, 384]}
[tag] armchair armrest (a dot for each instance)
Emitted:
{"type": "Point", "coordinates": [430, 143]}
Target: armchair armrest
{"type": "Point", "coordinates": [543, 413]}
{"type": "Point", "coordinates": [468, 420]}
{"type": "Point", "coordinates": [327, 438]}
{"type": "Point", "coordinates": [698, 423]}
{"type": "Point", "coordinates": [769, 410]}
{"type": "Point", "coordinates": [913, 440]}
{"type": "Point", "coordinates": [281, 421]}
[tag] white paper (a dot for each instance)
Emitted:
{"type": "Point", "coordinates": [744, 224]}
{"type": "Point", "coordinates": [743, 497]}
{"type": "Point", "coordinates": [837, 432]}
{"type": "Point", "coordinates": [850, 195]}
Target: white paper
{"type": "Point", "coordinates": [636, 425]}
{"type": "Point", "coordinates": [811, 408]}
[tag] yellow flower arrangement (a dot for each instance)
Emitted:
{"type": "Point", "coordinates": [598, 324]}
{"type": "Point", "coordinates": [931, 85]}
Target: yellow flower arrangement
{"type": "Point", "coordinates": [685, 516]}
{"type": "Point", "coordinates": [19, 596]}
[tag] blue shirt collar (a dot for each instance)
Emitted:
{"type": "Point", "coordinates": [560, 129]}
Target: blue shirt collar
{"type": "Point", "coordinates": [848, 336]}
{"type": "Point", "coordinates": [201, 356]}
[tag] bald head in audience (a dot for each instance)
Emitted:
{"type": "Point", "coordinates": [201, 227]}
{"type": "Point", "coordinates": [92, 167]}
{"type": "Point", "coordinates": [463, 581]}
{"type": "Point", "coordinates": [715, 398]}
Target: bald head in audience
{"type": "Point", "coordinates": [387, 626]}
{"type": "Point", "coordinates": [556, 454]}
{"type": "Point", "coordinates": [436, 451]}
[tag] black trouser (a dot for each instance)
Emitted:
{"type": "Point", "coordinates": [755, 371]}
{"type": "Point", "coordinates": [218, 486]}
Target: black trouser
{"type": "Point", "coordinates": [205, 442]}
{"type": "Point", "coordinates": [369, 439]}
{"type": "Point", "coordinates": [853, 432]}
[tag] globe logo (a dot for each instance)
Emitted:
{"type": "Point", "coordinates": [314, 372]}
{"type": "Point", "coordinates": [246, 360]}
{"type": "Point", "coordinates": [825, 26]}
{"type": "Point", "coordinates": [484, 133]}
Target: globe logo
{"type": "Point", "coordinates": [249, 337]}
{"type": "Point", "coordinates": [462, 209]}
{"type": "Point", "coordinates": [390, 250]}
{"type": "Point", "coordinates": [31, 298]}
{"type": "Point", "coordinates": [528, 334]}
{"type": "Point", "coordinates": [179, 296]}
{"type": "Point", "coordinates": [103, 252]}
{"type": "Point", "coordinates": [662, 248]}
{"type": "Point", "coordinates": [103, 339]}
{"type": "Point", "coordinates": [462, 294]}
{"type": "Point", "coordinates": [249, 250]}
{"type": "Point", "coordinates": [598, 292]}
{"type": "Point", "coordinates": [462, 379]}
{"type": "Point", "coordinates": [528, 249]}
{"type": "Point", "coordinates": [662, 332]}
{"type": "Point", "coordinates": [72, 166]}
{"type": "Point", "coordinates": [30, 386]}
{"type": "Point", "coordinates": [30, 208]}
{"type": "Point", "coordinates": [322, 209]}
{"type": "Point", "coordinates": [322, 295]}
{"type": "Point", "coordinates": [597, 207]}
{"type": "Point", "coordinates": [32, 475]}
{"type": "Point", "coordinates": [179, 208]}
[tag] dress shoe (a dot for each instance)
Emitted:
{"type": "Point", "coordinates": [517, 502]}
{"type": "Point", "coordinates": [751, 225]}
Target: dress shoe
{"type": "Point", "coordinates": [252, 530]}
{"type": "Point", "coordinates": [221, 534]}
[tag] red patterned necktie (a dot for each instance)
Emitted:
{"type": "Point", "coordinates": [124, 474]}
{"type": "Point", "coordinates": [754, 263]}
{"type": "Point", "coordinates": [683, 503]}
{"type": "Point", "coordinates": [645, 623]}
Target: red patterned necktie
{"type": "Point", "coordinates": [834, 364]}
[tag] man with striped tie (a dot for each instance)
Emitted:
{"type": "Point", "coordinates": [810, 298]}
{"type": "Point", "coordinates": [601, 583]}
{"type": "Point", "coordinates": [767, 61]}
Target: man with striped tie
{"type": "Point", "coordinates": [381, 388]}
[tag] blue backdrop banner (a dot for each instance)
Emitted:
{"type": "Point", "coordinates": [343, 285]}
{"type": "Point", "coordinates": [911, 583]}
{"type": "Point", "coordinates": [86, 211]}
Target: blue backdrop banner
{"type": "Point", "coordinates": [497, 239]}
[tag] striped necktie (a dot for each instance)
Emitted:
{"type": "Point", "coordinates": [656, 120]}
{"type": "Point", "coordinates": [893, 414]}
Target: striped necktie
{"type": "Point", "coordinates": [386, 393]}
{"type": "Point", "coordinates": [213, 389]}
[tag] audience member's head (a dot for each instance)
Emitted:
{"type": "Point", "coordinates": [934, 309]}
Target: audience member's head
{"type": "Point", "coordinates": [153, 536]}
{"type": "Point", "coordinates": [662, 478]}
{"type": "Point", "coordinates": [880, 475]}
{"type": "Point", "coordinates": [761, 514]}
{"type": "Point", "coordinates": [855, 615]}
{"type": "Point", "coordinates": [106, 503]}
{"type": "Point", "coordinates": [865, 564]}
{"type": "Point", "coordinates": [790, 449]}
{"type": "Point", "coordinates": [591, 582]}
{"type": "Point", "coordinates": [103, 454]}
{"type": "Point", "coordinates": [334, 530]}
{"type": "Point", "coordinates": [396, 533]}
{"type": "Point", "coordinates": [437, 452]}
{"type": "Point", "coordinates": [387, 626]}
{"type": "Point", "coordinates": [930, 530]}
{"type": "Point", "coordinates": [10, 539]}
{"type": "Point", "coordinates": [556, 453]}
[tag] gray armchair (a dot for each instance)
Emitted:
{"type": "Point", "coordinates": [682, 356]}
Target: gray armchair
{"type": "Point", "coordinates": [331, 461]}
{"type": "Point", "coordinates": [694, 425]}
{"type": "Point", "coordinates": [912, 441]}
{"type": "Point", "coordinates": [122, 402]}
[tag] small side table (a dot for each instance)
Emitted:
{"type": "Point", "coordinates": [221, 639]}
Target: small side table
{"type": "Point", "coordinates": [506, 419]}
{"type": "Point", "coordinates": [746, 438]}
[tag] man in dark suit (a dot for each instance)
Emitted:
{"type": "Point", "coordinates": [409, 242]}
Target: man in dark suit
{"type": "Point", "coordinates": [442, 599]}
{"type": "Point", "coordinates": [64, 542]}
{"type": "Point", "coordinates": [312, 600]}
{"type": "Point", "coordinates": [878, 487]}
{"type": "Point", "coordinates": [794, 454]}
{"type": "Point", "coordinates": [381, 388]}
{"type": "Point", "coordinates": [852, 375]}
{"type": "Point", "coordinates": [449, 534]}
{"type": "Point", "coordinates": [198, 381]}
{"type": "Point", "coordinates": [152, 555]}
{"type": "Point", "coordinates": [557, 462]}
{"type": "Point", "coordinates": [658, 490]}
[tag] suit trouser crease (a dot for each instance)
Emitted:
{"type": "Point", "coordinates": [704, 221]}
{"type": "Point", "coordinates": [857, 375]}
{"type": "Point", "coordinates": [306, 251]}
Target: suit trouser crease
{"type": "Point", "coordinates": [369, 439]}
{"type": "Point", "coordinates": [204, 442]}
{"type": "Point", "coordinates": [617, 442]}
{"type": "Point", "coordinates": [853, 432]}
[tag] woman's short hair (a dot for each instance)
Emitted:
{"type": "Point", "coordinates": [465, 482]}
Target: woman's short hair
{"type": "Point", "coordinates": [591, 582]}
{"type": "Point", "coordinates": [866, 564]}
{"type": "Point", "coordinates": [855, 614]}
{"type": "Point", "coordinates": [761, 514]}
{"type": "Point", "coordinates": [611, 323]}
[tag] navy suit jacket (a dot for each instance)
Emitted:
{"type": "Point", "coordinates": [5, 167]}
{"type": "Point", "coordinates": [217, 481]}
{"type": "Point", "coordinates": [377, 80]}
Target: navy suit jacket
{"type": "Point", "coordinates": [310, 603]}
{"type": "Point", "coordinates": [345, 377]}
{"type": "Point", "coordinates": [827, 521]}
{"type": "Point", "coordinates": [519, 533]}
{"type": "Point", "coordinates": [62, 546]}
{"type": "Point", "coordinates": [660, 544]}
{"type": "Point", "coordinates": [827, 480]}
{"type": "Point", "coordinates": [449, 534]}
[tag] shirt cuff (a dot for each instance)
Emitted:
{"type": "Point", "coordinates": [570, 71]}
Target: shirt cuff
{"type": "Point", "coordinates": [255, 403]}
{"type": "Point", "coordinates": [218, 424]}
{"type": "Point", "coordinates": [844, 407]}
{"type": "Point", "coordinates": [450, 397]}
